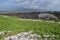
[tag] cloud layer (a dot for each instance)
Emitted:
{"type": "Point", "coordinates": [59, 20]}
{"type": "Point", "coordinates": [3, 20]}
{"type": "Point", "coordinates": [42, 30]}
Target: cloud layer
{"type": "Point", "coordinates": [34, 4]}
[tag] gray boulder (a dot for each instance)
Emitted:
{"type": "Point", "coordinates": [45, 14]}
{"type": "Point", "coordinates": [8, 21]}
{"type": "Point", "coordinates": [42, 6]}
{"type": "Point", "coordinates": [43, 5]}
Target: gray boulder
{"type": "Point", "coordinates": [47, 16]}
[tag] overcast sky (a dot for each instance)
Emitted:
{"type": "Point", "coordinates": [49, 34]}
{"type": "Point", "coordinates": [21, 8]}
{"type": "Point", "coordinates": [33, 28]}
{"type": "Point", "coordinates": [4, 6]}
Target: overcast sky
{"type": "Point", "coordinates": [33, 4]}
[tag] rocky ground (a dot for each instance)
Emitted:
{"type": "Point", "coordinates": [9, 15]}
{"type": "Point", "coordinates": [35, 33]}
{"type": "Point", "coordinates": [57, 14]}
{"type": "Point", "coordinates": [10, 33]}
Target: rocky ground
{"type": "Point", "coordinates": [28, 36]}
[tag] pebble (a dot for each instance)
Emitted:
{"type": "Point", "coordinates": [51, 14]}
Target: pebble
{"type": "Point", "coordinates": [1, 33]}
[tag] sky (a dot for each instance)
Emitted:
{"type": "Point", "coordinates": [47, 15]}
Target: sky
{"type": "Point", "coordinates": [53, 5]}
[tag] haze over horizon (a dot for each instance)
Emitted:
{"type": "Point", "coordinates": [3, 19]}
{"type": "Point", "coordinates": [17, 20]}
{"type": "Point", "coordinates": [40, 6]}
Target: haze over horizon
{"type": "Point", "coordinates": [52, 5]}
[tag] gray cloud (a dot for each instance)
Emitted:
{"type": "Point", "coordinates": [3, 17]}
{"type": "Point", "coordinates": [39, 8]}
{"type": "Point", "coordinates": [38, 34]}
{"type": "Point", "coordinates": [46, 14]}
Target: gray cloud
{"type": "Point", "coordinates": [54, 5]}
{"type": "Point", "coordinates": [34, 4]}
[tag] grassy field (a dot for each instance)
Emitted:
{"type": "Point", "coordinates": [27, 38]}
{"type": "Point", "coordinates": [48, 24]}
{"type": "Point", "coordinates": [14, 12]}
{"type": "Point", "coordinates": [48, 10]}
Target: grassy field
{"type": "Point", "coordinates": [15, 25]}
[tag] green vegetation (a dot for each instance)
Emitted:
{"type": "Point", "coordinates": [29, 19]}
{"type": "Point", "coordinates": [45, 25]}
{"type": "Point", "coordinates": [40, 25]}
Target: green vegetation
{"type": "Point", "coordinates": [15, 25]}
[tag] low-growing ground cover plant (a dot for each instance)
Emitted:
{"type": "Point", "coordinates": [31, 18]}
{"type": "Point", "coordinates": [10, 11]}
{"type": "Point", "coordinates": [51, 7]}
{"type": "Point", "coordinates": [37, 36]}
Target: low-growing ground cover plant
{"type": "Point", "coordinates": [15, 25]}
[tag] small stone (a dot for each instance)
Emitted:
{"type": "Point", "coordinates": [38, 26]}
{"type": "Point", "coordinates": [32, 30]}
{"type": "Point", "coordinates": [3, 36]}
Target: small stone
{"type": "Point", "coordinates": [1, 33]}
{"type": "Point", "coordinates": [53, 35]}
{"type": "Point", "coordinates": [46, 35]}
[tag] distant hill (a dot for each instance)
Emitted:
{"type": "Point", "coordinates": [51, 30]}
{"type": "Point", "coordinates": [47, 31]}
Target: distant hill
{"type": "Point", "coordinates": [22, 10]}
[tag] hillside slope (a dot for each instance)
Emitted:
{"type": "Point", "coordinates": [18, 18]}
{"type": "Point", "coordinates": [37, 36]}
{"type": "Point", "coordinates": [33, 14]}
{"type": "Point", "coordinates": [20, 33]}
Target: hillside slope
{"type": "Point", "coordinates": [14, 24]}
